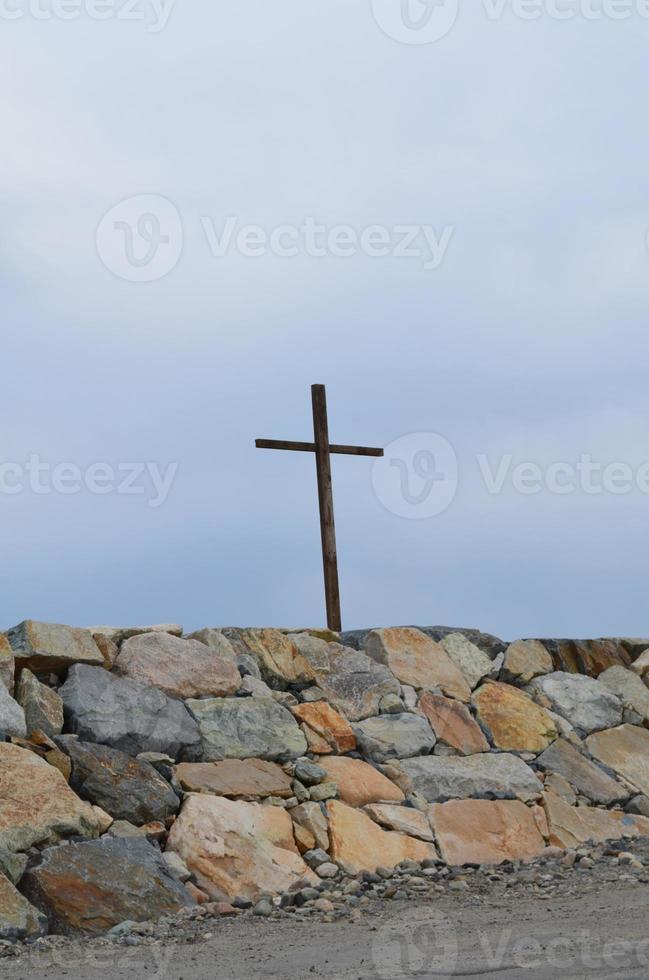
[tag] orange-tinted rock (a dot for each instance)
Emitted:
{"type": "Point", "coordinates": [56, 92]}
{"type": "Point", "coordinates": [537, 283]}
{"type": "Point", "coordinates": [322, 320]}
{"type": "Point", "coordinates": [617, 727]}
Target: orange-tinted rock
{"type": "Point", "coordinates": [316, 743]}
{"type": "Point", "coordinates": [625, 750]}
{"type": "Point", "coordinates": [235, 777]}
{"type": "Point", "coordinates": [359, 783]}
{"type": "Point", "coordinates": [358, 844]}
{"type": "Point", "coordinates": [18, 919]}
{"type": "Point", "coordinates": [453, 723]}
{"type": "Point", "coordinates": [525, 660]}
{"type": "Point", "coordinates": [180, 668]}
{"type": "Point", "coordinates": [311, 818]}
{"type": "Point", "coordinates": [570, 826]}
{"type": "Point", "coordinates": [279, 659]}
{"type": "Point", "coordinates": [485, 832]}
{"type": "Point", "coordinates": [403, 819]}
{"type": "Point", "coordinates": [589, 657]}
{"type": "Point", "coordinates": [326, 722]}
{"type": "Point", "coordinates": [237, 850]}
{"type": "Point", "coordinates": [514, 722]}
{"type": "Point", "coordinates": [304, 839]}
{"type": "Point", "coordinates": [418, 661]}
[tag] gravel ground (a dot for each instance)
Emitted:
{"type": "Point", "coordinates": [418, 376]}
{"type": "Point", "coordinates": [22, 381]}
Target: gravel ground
{"type": "Point", "coordinates": [584, 915]}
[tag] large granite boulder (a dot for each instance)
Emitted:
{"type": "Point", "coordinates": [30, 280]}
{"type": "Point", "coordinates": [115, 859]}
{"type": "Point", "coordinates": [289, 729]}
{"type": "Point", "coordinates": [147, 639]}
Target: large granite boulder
{"type": "Point", "coordinates": [117, 634]}
{"type": "Point", "coordinates": [453, 724]}
{"type": "Point", "coordinates": [12, 716]}
{"type": "Point", "coordinates": [417, 661]}
{"type": "Point", "coordinates": [624, 750]}
{"type": "Point", "coordinates": [512, 720]}
{"type": "Point", "coordinates": [235, 778]}
{"type": "Point", "coordinates": [236, 849]}
{"type": "Point", "coordinates": [525, 660]}
{"type": "Point", "coordinates": [564, 759]}
{"type": "Point", "coordinates": [127, 715]}
{"type": "Point", "coordinates": [180, 668]}
{"type": "Point", "coordinates": [474, 664]}
{"type": "Point", "coordinates": [589, 657]}
{"type": "Point", "coordinates": [278, 658]}
{"type": "Point", "coordinates": [351, 681]}
{"type": "Point", "coordinates": [36, 804]}
{"type": "Point", "coordinates": [328, 724]}
{"type": "Point", "coordinates": [93, 886]}
{"type": "Point", "coordinates": [359, 783]}
{"type": "Point", "coordinates": [359, 844]}
{"type": "Point", "coordinates": [483, 832]}
{"type": "Point", "coordinates": [394, 737]}
{"type": "Point", "coordinates": [486, 776]}
{"type": "Point", "coordinates": [402, 819]}
{"type": "Point", "coordinates": [49, 647]}
{"type": "Point", "coordinates": [129, 789]}
{"type": "Point", "coordinates": [572, 826]}
{"type": "Point", "coordinates": [42, 705]}
{"type": "Point", "coordinates": [586, 704]}
{"type": "Point", "coordinates": [247, 728]}
{"type": "Point", "coordinates": [18, 919]}
{"type": "Point", "coordinates": [628, 687]}
{"type": "Point", "coordinates": [7, 664]}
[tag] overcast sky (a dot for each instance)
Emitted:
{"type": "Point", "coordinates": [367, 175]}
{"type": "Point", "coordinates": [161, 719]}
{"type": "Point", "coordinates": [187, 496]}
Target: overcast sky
{"type": "Point", "coordinates": [163, 335]}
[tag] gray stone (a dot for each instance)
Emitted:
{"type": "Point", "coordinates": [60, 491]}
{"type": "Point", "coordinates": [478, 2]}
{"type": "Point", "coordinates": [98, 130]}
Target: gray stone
{"type": "Point", "coordinates": [18, 919]}
{"type": "Point", "coordinates": [12, 865]}
{"type": "Point", "coordinates": [316, 857]}
{"type": "Point", "coordinates": [247, 728]}
{"type": "Point", "coordinates": [176, 866]}
{"type": "Point", "coordinates": [324, 791]}
{"type": "Point", "coordinates": [583, 775]}
{"type": "Point", "coordinates": [394, 737]}
{"type": "Point", "coordinates": [7, 664]}
{"type": "Point", "coordinates": [391, 704]}
{"type": "Point", "coordinates": [639, 805]}
{"type": "Point", "coordinates": [484, 776]}
{"type": "Point", "coordinates": [51, 647]}
{"type": "Point", "coordinates": [127, 715]}
{"type": "Point", "coordinates": [473, 663]}
{"type": "Point", "coordinates": [120, 633]}
{"type": "Point", "coordinates": [355, 684]}
{"type": "Point", "coordinates": [126, 788]}
{"type": "Point", "coordinates": [627, 686]}
{"type": "Point", "coordinates": [309, 773]}
{"type": "Point", "coordinates": [42, 705]}
{"type": "Point", "coordinates": [12, 716]}
{"type": "Point", "coordinates": [583, 701]}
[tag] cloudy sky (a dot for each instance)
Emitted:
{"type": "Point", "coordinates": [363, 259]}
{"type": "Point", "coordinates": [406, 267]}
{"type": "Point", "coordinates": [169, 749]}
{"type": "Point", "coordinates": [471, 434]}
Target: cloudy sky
{"type": "Point", "coordinates": [439, 213]}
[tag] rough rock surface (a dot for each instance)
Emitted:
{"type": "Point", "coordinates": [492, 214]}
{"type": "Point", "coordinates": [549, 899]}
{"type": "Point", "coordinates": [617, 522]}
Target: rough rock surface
{"type": "Point", "coordinates": [525, 660]}
{"type": "Point", "coordinates": [50, 647]}
{"type": "Point", "coordinates": [589, 657]}
{"type": "Point", "coordinates": [180, 668]}
{"type": "Point", "coordinates": [394, 737]}
{"type": "Point", "coordinates": [474, 664]}
{"type": "Point", "coordinates": [234, 777]}
{"type": "Point", "coordinates": [120, 633]}
{"type": "Point", "coordinates": [628, 687]}
{"type": "Point", "coordinates": [625, 750]}
{"type": "Point", "coordinates": [359, 844]}
{"type": "Point", "coordinates": [93, 886]}
{"type": "Point", "coordinates": [570, 826]}
{"type": "Point", "coordinates": [403, 819]}
{"type": "Point", "coordinates": [18, 919]}
{"type": "Point", "coordinates": [562, 758]}
{"type": "Point", "coordinates": [418, 661]}
{"type": "Point", "coordinates": [12, 716]}
{"type": "Point", "coordinates": [586, 704]}
{"type": "Point", "coordinates": [512, 720]}
{"type": "Point", "coordinates": [354, 683]}
{"type": "Point", "coordinates": [127, 715]}
{"type": "Point", "coordinates": [277, 656]}
{"type": "Point", "coordinates": [129, 789]}
{"type": "Point", "coordinates": [499, 777]}
{"type": "Point", "coordinates": [453, 723]}
{"type": "Point", "coordinates": [42, 705]}
{"type": "Point", "coordinates": [237, 850]}
{"type": "Point", "coordinates": [247, 728]}
{"type": "Point", "coordinates": [7, 663]}
{"type": "Point", "coordinates": [310, 817]}
{"type": "Point", "coordinates": [359, 783]}
{"type": "Point", "coordinates": [36, 804]}
{"type": "Point", "coordinates": [329, 724]}
{"type": "Point", "coordinates": [483, 832]}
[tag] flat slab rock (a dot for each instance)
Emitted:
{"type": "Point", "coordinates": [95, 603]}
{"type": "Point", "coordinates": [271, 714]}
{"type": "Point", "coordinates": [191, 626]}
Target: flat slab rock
{"type": "Point", "coordinates": [91, 887]}
{"type": "Point", "coordinates": [359, 844]}
{"type": "Point", "coordinates": [571, 826]}
{"type": "Point", "coordinates": [403, 819]}
{"type": "Point", "coordinates": [236, 849]}
{"type": "Point", "coordinates": [36, 804]}
{"type": "Point", "coordinates": [42, 705]}
{"type": "Point", "coordinates": [525, 660]}
{"type": "Point", "coordinates": [351, 681]}
{"type": "Point", "coordinates": [127, 715]}
{"type": "Point", "coordinates": [234, 777]}
{"type": "Point", "coordinates": [328, 724]}
{"type": "Point", "coordinates": [585, 703]}
{"type": "Point", "coordinates": [453, 724]}
{"type": "Point", "coordinates": [18, 919]}
{"type": "Point", "coordinates": [51, 647]}
{"type": "Point", "coordinates": [247, 728]}
{"type": "Point", "coordinates": [360, 783]}
{"type": "Point", "coordinates": [394, 737]}
{"type": "Point", "coordinates": [625, 750]}
{"type": "Point", "coordinates": [180, 668]}
{"type": "Point", "coordinates": [474, 664]}
{"type": "Point", "coordinates": [492, 776]}
{"type": "Point", "coordinates": [417, 661]}
{"type": "Point", "coordinates": [586, 778]}
{"type": "Point", "coordinates": [511, 718]}
{"type": "Point", "coordinates": [484, 832]}
{"type": "Point", "coordinates": [628, 687]}
{"type": "Point", "coordinates": [129, 789]}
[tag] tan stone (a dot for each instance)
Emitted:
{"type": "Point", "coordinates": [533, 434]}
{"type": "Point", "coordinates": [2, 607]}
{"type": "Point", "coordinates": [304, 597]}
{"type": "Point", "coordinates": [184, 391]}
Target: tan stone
{"type": "Point", "coordinates": [51, 647]}
{"type": "Point", "coordinates": [625, 750]}
{"type": "Point", "coordinates": [237, 850]}
{"type": "Point", "coordinates": [311, 818]}
{"type": "Point", "coordinates": [527, 659]}
{"type": "Point", "coordinates": [514, 722]}
{"type": "Point", "coordinates": [570, 826]}
{"type": "Point", "coordinates": [181, 668]}
{"type": "Point", "coordinates": [453, 724]}
{"type": "Point", "coordinates": [278, 657]}
{"type": "Point", "coordinates": [7, 666]}
{"type": "Point", "coordinates": [326, 722]}
{"type": "Point", "coordinates": [358, 844]}
{"type": "Point", "coordinates": [304, 839]}
{"type": "Point", "coordinates": [109, 649]}
{"type": "Point", "coordinates": [316, 743]}
{"type": "Point", "coordinates": [36, 804]}
{"type": "Point", "coordinates": [641, 665]}
{"type": "Point", "coordinates": [359, 783]}
{"type": "Point", "coordinates": [418, 661]}
{"type": "Point", "coordinates": [120, 633]}
{"type": "Point", "coordinates": [235, 777]}
{"type": "Point", "coordinates": [485, 832]}
{"type": "Point", "coordinates": [18, 919]}
{"type": "Point", "coordinates": [403, 819]}
{"type": "Point", "coordinates": [42, 706]}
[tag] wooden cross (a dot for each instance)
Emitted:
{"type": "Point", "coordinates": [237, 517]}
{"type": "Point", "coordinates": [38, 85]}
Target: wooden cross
{"type": "Point", "coordinates": [323, 449]}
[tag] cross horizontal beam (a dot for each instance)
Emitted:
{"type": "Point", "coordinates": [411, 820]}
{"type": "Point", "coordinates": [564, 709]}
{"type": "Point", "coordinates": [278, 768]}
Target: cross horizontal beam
{"type": "Point", "coordinates": [310, 447]}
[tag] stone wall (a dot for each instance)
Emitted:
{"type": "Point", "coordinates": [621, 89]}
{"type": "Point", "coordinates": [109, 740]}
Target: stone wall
{"type": "Point", "coordinates": [143, 771]}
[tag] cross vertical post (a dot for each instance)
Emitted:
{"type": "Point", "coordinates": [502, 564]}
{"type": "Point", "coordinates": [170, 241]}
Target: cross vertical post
{"type": "Point", "coordinates": [326, 500]}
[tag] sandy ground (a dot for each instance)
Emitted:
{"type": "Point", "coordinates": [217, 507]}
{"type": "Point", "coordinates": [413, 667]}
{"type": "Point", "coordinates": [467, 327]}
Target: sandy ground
{"type": "Point", "coordinates": [601, 933]}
